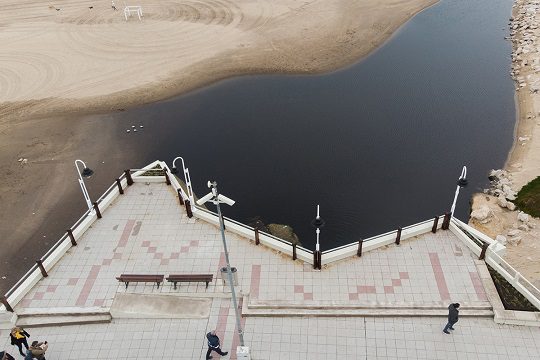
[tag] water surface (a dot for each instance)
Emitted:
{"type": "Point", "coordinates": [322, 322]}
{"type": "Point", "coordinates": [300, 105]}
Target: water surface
{"type": "Point", "coordinates": [378, 145]}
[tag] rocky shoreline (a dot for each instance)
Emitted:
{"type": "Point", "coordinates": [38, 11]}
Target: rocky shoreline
{"type": "Point", "coordinates": [494, 212]}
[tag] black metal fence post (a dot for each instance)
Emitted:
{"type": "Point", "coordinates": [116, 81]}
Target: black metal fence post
{"type": "Point", "coordinates": [119, 184]}
{"type": "Point", "coordinates": [128, 177]}
{"type": "Point", "coordinates": [188, 209]}
{"type": "Point", "coordinates": [71, 237]}
{"type": "Point", "coordinates": [359, 252]}
{"type": "Point", "coordinates": [435, 223]}
{"type": "Point", "coordinates": [257, 240]}
{"type": "Point", "coordinates": [98, 213]}
{"type": "Point", "coordinates": [180, 198]}
{"type": "Point", "coordinates": [483, 252]}
{"type": "Point", "coordinates": [42, 268]}
{"type": "Point", "coordinates": [398, 236]}
{"type": "Point", "coordinates": [446, 221]}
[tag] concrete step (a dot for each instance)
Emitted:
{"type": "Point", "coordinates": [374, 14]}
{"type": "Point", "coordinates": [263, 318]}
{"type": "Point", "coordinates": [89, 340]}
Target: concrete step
{"type": "Point", "coordinates": [361, 313]}
{"type": "Point", "coordinates": [259, 308]}
{"type": "Point", "coordinates": [38, 317]}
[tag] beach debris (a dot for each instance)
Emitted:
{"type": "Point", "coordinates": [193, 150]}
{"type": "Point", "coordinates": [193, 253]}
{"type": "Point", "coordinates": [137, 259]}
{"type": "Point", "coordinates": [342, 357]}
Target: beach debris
{"type": "Point", "coordinates": [134, 130]}
{"type": "Point", "coordinates": [133, 126]}
{"type": "Point", "coordinates": [514, 241]}
{"type": "Point", "coordinates": [90, 7]}
{"type": "Point", "coordinates": [23, 161]}
{"type": "Point", "coordinates": [141, 126]}
{"type": "Point", "coordinates": [127, 130]}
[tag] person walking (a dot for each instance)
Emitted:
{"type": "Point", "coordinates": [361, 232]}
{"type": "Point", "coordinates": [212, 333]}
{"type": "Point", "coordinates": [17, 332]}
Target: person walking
{"type": "Point", "coordinates": [213, 345]}
{"type": "Point", "coordinates": [18, 337]}
{"type": "Point", "coordinates": [453, 315]}
{"type": "Point", "coordinates": [37, 350]}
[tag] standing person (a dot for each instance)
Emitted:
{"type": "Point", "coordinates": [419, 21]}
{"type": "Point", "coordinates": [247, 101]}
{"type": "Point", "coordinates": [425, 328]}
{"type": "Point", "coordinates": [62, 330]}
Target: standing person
{"type": "Point", "coordinates": [213, 345]}
{"type": "Point", "coordinates": [453, 315]}
{"type": "Point", "coordinates": [37, 350]}
{"type": "Point", "coordinates": [18, 337]}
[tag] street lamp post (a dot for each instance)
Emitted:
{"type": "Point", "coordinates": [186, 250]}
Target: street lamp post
{"type": "Point", "coordinates": [87, 172]}
{"type": "Point", "coordinates": [318, 223]}
{"type": "Point", "coordinates": [187, 178]}
{"type": "Point", "coordinates": [216, 198]}
{"type": "Point", "coordinates": [462, 182]}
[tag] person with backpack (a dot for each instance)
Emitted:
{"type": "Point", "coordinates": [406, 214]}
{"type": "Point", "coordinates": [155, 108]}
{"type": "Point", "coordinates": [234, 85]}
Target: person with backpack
{"type": "Point", "coordinates": [37, 351]}
{"type": "Point", "coordinates": [213, 345]}
{"type": "Point", "coordinates": [18, 337]}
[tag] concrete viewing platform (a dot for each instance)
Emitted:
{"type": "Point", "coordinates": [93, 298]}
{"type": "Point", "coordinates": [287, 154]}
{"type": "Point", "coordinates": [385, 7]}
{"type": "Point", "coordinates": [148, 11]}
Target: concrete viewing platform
{"type": "Point", "coordinates": [389, 303]}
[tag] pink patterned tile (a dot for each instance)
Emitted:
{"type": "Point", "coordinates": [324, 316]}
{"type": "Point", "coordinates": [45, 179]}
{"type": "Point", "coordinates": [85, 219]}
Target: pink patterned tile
{"type": "Point", "coordinates": [164, 262]}
{"type": "Point", "coordinates": [403, 275]}
{"type": "Point", "coordinates": [388, 289]}
{"type": "Point", "coordinates": [194, 243]}
{"type": "Point", "coordinates": [298, 289]}
{"type": "Point", "coordinates": [73, 281]}
{"type": "Point", "coordinates": [151, 249]}
{"type": "Point", "coordinates": [51, 288]}
{"type": "Point", "coordinates": [38, 295]}
{"type": "Point", "coordinates": [145, 243]}
{"type": "Point", "coordinates": [125, 233]}
{"type": "Point", "coordinates": [25, 302]}
{"type": "Point", "coordinates": [184, 249]}
{"type": "Point", "coordinates": [158, 255]}
{"type": "Point", "coordinates": [439, 276]}
{"type": "Point", "coordinates": [117, 256]}
{"type": "Point", "coordinates": [396, 282]}
{"type": "Point", "coordinates": [174, 255]}
{"type": "Point", "coordinates": [255, 281]}
{"type": "Point", "coordinates": [106, 262]}
{"type": "Point", "coordinates": [366, 289]}
{"type": "Point", "coordinates": [99, 302]}
{"type": "Point", "coordinates": [308, 296]}
{"type": "Point", "coordinates": [353, 296]}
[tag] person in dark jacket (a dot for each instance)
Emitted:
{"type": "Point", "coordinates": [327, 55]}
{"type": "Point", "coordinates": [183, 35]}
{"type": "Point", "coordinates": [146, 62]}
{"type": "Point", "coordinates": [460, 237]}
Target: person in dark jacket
{"type": "Point", "coordinates": [453, 315]}
{"type": "Point", "coordinates": [18, 337]}
{"type": "Point", "coordinates": [213, 345]}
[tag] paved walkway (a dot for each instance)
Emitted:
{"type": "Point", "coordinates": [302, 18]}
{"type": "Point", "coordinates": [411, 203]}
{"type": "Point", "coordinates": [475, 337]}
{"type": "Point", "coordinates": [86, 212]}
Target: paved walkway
{"type": "Point", "coordinates": [146, 231]}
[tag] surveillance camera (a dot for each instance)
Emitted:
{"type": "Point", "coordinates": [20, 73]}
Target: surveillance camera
{"type": "Point", "coordinates": [205, 198]}
{"type": "Point", "coordinates": [226, 200]}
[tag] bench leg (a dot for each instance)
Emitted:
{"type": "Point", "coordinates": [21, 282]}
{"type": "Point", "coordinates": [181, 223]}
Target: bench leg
{"type": "Point", "coordinates": [174, 285]}
{"type": "Point", "coordinates": [158, 284]}
{"type": "Point", "coordinates": [127, 283]}
{"type": "Point", "coordinates": [207, 284]}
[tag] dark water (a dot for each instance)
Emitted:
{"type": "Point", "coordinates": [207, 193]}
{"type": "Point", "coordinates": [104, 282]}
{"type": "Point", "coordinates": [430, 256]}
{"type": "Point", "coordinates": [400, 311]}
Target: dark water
{"type": "Point", "coordinates": [378, 145]}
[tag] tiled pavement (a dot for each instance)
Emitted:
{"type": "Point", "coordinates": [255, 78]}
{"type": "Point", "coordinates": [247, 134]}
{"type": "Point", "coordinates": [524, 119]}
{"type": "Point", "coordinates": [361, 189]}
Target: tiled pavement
{"type": "Point", "coordinates": [146, 231]}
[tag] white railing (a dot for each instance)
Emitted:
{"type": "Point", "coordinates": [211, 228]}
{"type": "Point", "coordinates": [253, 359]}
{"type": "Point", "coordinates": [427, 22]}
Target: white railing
{"type": "Point", "coordinates": [493, 258]}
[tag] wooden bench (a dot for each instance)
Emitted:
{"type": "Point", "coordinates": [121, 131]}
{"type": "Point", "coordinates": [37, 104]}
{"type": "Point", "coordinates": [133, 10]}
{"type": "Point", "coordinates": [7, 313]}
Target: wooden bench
{"type": "Point", "coordinates": [127, 278]}
{"type": "Point", "coordinates": [207, 278]}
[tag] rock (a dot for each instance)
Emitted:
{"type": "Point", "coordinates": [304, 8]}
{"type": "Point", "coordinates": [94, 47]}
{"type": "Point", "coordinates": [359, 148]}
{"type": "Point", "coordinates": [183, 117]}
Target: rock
{"type": "Point", "coordinates": [523, 227]}
{"type": "Point", "coordinates": [501, 239]}
{"type": "Point", "coordinates": [521, 216]}
{"type": "Point", "coordinates": [510, 206]}
{"type": "Point", "coordinates": [515, 241]}
{"type": "Point", "coordinates": [482, 213]}
{"type": "Point", "coordinates": [514, 232]}
{"type": "Point", "coordinates": [501, 201]}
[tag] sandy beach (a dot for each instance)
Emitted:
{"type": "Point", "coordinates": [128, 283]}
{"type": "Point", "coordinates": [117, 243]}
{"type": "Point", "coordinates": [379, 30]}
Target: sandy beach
{"type": "Point", "coordinates": [523, 164]}
{"type": "Point", "coordinates": [77, 57]}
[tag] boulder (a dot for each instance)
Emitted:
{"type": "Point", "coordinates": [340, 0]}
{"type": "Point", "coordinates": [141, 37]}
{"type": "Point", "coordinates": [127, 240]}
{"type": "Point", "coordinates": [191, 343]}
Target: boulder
{"type": "Point", "coordinates": [521, 216]}
{"type": "Point", "coordinates": [482, 213]}
{"type": "Point", "coordinates": [501, 239]}
{"type": "Point", "coordinates": [501, 201]}
{"type": "Point", "coordinates": [515, 241]}
{"type": "Point", "coordinates": [523, 227]}
{"type": "Point", "coordinates": [514, 232]}
{"type": "Point", "coordinates": [510, 206]}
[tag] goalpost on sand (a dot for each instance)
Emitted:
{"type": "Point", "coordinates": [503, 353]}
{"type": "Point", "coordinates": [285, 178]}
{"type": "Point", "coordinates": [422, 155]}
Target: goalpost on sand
{"type": "Point", "coordinates": [130, 10]}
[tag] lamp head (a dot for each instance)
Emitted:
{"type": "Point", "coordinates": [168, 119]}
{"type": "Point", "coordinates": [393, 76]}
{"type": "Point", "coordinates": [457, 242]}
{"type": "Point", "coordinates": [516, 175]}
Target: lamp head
{"type": "Point", "coordinates": [87, 172]}
{"type": "Point", "coordinates": [462, 182]}
{"type": "Point", "coordinates": [174, 170]}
